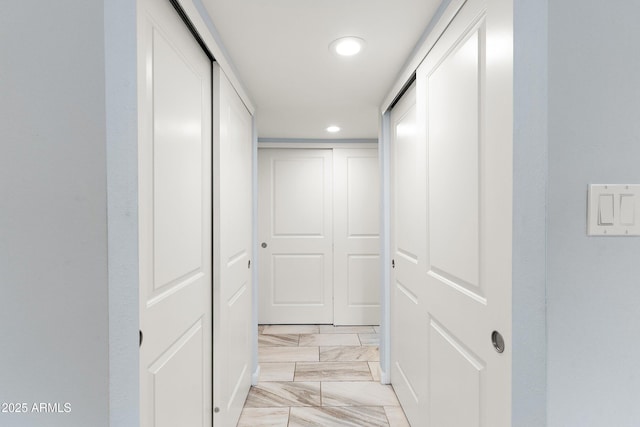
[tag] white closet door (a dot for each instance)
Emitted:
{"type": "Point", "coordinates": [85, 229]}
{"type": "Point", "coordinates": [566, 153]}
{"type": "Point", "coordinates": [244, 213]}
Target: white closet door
{"type": "Point", "coordinates": [296, 235]}
{"type": "Point", "coordinates": [464, 93]}
{"type": "Point", "coordinates": [233, 316]}
{"type": "Point", "coordinates": [356, 281]}
{"type": "Point", "coordinates": [175, 218]}
{"type": "Point", "coordinates": [409, 331]}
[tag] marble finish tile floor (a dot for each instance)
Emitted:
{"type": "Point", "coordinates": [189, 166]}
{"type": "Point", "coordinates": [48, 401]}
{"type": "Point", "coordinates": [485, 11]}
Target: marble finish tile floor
{"type": "Point", "coordinates": [320, 375]}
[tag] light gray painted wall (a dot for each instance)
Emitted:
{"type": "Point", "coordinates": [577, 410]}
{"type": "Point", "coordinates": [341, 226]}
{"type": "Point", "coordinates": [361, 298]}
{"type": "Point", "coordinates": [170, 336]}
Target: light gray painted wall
{"type": "Point", "coordinates": [122, 207]}
{"type": "Point", "coordinates": [53, 201]}
{"type": "Point", "coordinates": [529, 213]}
{"type": "Point", "coordinates": [593, 282]}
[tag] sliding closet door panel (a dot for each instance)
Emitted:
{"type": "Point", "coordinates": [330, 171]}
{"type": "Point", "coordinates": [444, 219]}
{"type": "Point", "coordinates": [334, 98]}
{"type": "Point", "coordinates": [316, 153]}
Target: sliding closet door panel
{"type": "Point", "coordinates": [175, 218]}
{"type": "Point", "coordinates": [296, 236]}
{"type": "Point", "coordinates": [408, 321]}
{"type": "Point", "coordinates": [233, 315]}
{"type": "Point", "coordinates": [468, 277]}
{"type": "Point", "coordinates": [356, 236]}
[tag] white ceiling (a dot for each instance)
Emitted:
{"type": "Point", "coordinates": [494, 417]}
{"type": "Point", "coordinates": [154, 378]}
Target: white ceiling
{"type": "Point", "coordinates": [281, 51]}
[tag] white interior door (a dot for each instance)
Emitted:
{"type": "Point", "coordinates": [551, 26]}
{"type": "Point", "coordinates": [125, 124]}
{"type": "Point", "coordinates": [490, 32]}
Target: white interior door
{"type": "Point", "coordinates": [356, 203]}
{"type": "Point", "coordinates": [233, 315]}
{"type": "Point", "coordinates": [464, 93]}
{"type": "Point", "coordinates": [175, 216]}
{"type": "Point", "coordinates": [408, 212]}
{"type": "Point", "coordinates": [296, 235]}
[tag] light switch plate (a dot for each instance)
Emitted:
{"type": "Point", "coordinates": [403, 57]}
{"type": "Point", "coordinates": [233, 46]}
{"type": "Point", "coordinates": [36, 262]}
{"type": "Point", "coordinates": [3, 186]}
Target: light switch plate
{"type": "Point", "coordinates": [613, 210]}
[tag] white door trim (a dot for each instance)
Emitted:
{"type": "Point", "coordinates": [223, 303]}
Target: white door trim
{"type": "Point", "coordinates": [317, 145]}
{"type": "Point", "coordinates": [384, 157]}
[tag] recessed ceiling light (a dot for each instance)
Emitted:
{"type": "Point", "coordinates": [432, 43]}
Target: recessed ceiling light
{"type": "Point", "coordinates": [347, 46]}
{"type": "Point", "coordinates": [333, 129]}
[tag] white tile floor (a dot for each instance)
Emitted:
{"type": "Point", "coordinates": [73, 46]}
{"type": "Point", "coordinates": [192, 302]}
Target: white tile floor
{"type": "Point", "coordinates": [320, 375]}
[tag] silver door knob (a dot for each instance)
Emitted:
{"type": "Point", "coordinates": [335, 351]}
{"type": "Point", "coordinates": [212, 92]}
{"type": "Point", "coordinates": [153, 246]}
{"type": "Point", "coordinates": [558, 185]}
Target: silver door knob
{"type": "Point", "coordinates": [264, 245]}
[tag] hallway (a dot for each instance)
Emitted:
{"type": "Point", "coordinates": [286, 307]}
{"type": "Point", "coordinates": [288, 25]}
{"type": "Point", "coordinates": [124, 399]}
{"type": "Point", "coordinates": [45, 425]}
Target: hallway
{"type": "Point", "coordinates": [320, 375]}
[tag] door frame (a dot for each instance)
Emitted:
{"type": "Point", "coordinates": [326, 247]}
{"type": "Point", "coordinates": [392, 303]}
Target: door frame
{"type": "Point", "coordinates": [328, 144]}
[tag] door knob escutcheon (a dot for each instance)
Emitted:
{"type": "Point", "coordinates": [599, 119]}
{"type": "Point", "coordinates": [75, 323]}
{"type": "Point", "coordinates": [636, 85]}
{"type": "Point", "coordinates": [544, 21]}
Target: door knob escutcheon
{"type": "Point", "coordinates": [498, 341]}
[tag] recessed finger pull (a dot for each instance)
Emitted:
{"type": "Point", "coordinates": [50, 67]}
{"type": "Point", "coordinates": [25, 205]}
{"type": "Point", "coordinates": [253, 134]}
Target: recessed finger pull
{"type": "Point", "coordinates": [498, 341]}
{"type": "Point", "coordinates": [264, 245]}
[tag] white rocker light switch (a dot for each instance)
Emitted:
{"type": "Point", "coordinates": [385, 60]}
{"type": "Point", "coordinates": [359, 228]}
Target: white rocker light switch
{"type": "Point", "coordinates": [613, 210]}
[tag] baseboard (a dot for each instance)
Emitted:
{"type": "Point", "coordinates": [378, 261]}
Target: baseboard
{"type": "Point", "coordinates": [255, 376]}
{"type": "Point", "coordinates": [385, 378]}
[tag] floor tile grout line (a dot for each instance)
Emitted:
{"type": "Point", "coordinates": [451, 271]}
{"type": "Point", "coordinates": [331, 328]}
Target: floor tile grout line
{"type": "Point", "coordinates": [386, 416]}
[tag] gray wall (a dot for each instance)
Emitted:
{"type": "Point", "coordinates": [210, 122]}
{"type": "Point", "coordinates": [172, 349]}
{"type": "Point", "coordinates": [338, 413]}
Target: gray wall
{"type": "Point", "coordinates": [593, 288]}
{"type": "Point", "coordinates": [122, 197]}
{"type": "Point", "coordinates": [529, 213]}
{"type": "Point", "coordinates": [53, 224]}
